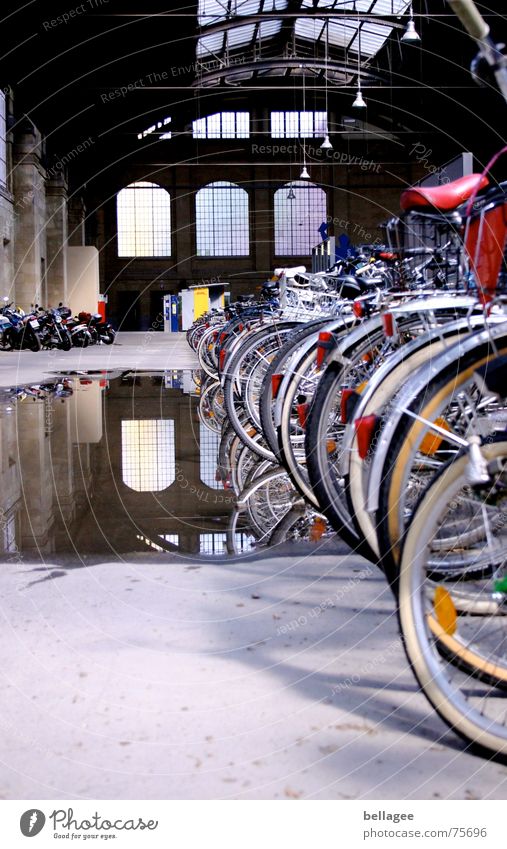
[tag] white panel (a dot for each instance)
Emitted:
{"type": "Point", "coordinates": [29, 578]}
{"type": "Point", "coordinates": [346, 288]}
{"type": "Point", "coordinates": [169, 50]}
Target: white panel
{"type": "Point", "coordinates": [240, 35]}
{"type": "Point", "coordinates": [210, 44]}
{"type": "Point", "coordinates": [341, 33]}
{"type": "Point", "coordinates": [211, 11]}
{"type": "Point", "coordinates": [268, 29]}
{"type": "Point", "coordinates": [311, 29]}
{"type": "Point", "coordinates": [373, 37]}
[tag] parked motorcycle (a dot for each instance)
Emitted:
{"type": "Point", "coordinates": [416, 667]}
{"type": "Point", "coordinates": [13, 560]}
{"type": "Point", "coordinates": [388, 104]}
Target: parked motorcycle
{"type": "Point", "coordinates": [101, 331]}
{"type": "Point", "coordinates": [22, 330]}
{"type": "Point", "coordinates": [54, 334]}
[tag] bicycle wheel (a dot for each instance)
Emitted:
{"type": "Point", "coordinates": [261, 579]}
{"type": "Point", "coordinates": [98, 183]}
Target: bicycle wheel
{"type": "Point", "coordinates": [280, 364]}
{"type": "Point", "coordinates": [453, 616]}
{"type": "Point", "coordinates": [444, 395]}
{"type": "Point", "coordinates": [378, 399]}
{"type": "Point", "coordinates": [249, 365]}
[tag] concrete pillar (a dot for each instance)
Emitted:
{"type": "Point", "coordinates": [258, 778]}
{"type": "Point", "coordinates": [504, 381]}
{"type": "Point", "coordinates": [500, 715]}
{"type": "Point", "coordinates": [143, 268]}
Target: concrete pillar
{"type": "Point", "coordinates": [56, 240]}
{"type": "Point", "coordinates": [62, 465]}
{"type": "Point", "coordinates": [29, 216]}
{"type": "Point", "coordinates": [36, 514]}
{"type": "Point", "coordinates": [183, 233]}
{"type": "Point", "coordinates": [7, 213]}
{"type": "Point", "coordinates": [77, 216]}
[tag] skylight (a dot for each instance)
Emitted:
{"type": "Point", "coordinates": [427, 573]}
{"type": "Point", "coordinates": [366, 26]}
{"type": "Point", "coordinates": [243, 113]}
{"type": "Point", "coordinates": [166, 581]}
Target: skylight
{"type": "Point", "coordinates": [340, 33]}
{"type": "Point", "coordinates": [155, 128]}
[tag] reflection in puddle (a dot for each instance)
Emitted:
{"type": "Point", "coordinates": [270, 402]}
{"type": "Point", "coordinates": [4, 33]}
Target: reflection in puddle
{"type": "Point", "coordinates": [118, 463]}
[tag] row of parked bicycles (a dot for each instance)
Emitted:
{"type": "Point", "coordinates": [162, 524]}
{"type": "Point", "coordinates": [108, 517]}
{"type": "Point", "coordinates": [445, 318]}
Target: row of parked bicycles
{"type": "Point", "coordinates": [371, 399]}
{"type": "Point", "coordinates": [51, 328]}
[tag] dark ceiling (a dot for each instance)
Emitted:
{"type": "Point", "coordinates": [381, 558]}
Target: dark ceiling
{"type": "Point", "coordinates": [109, 68]}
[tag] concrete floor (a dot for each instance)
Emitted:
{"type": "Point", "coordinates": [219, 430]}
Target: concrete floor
{"type": "Point", "coordinates": [274, 677]}
{"type": "Point", "coordinates": [141, 351]}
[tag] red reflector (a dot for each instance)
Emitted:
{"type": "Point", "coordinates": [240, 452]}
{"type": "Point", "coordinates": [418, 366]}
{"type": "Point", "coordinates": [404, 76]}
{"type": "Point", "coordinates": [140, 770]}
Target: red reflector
{"type": "Point", "coordinates": [365, 428]}
{"type": "Point", "coordinates": [303, 410]}
{"type": "Point", "coordinates": [346, 393]}
{"type": "Point", "coordinates": [207, 325]}
{"type": "Point", "coordinates": [276, 380]}
{"type": "Point", "coordinates": [322, 347]}
{"type": "Point", "coordinates": [388, 323]}
{"type": "Point", "coordinates": [223, 337]}
{"type": "Point", "coordinates": [240, 328]}
{"type": "Point", "coordinates": [223, 355]}
{"type": "Point", "coordinates": [358, 309]}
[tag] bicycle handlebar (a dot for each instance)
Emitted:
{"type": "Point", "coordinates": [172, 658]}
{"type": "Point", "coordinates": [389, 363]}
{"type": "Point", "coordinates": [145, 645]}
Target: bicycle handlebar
{"type": "Point", "coordinates": [471, 18]}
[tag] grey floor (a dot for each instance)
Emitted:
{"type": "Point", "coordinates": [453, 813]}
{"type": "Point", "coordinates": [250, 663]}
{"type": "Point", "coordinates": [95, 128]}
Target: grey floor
{"type": "Point", "coordinates": [142, 351]}
{"type": "Point", "coordinates": [270, 677]}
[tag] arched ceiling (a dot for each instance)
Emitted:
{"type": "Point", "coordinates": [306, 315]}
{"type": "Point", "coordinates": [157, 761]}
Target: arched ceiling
{"type": "Point", "coordinates": [113, 68]}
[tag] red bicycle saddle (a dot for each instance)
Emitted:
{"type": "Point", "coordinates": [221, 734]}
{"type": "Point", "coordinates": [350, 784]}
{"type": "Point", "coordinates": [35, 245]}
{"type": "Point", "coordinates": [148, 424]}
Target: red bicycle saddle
{"type": "Point", "coordinates": [442, 198]}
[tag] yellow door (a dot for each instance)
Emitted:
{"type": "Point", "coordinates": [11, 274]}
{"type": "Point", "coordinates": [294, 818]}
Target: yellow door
{"type": "Point", "coordinates": [201, 302]}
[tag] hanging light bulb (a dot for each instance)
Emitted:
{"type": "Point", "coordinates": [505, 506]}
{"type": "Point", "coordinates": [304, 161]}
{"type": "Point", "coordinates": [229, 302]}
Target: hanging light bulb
{"type": "Point", "coordinates": [410, 36]}
{"type": "Point", "coordinates": [304, 173]}
{"type": "Point", "coordinates": [359, 102]}
{"type": "Point", "coordinates": [292, 194]}
{"type": "Point", "coordinates": [326, 144]}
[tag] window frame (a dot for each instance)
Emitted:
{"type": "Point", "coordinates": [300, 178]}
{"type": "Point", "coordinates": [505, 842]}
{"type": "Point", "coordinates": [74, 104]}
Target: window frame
{"type": "Point", "coordinates": [205, 228]}
{"type": "Point", "coordinates": [290, 124]}
{"type": "Point", "coordinates": [296, 185]}
{"type": "Point", "coordinates": [201, 126]}
{"type": "Point", "coordinates": [157, 234]}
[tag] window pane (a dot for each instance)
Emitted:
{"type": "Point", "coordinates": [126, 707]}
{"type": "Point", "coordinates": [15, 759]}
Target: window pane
{"type": "Point", "coordinates": [297, 219]}
{"type": "Point", "coordinates": [306, 124]}
{"type": "Point", "coordinates": [199, 128]}
{"type": "Point", "coordinates": [222, 220]}
{"type": "Point", "coordinates": [213, 126]}
{"type": "Point", "coordinates": [144, 220]}
{"type": "Point", "coordinates": [293, 125]}
{"type": "Point", "coordinates": [277, 125]}
{"type": "Point", "coordinates": [148, 454]}
{"type": "Point", "coordinates": [224, 125]}
{"type": "Point", "coordinates": [209, 443]}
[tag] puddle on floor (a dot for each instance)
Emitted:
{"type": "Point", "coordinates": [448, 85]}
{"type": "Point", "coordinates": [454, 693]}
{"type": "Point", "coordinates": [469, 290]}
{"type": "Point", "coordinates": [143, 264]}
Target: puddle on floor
{"type": "Point", "coordinates": [112, 464]}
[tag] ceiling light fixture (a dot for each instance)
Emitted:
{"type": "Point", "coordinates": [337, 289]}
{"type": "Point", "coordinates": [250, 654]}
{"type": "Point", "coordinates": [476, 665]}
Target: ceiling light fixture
{"type": "Point", "coordinates": [304, 173]}
{"type": "Point", "coordinates": [359, 102]}
{"type": "Point", "coordinates": [410, 36]}
{"type": "Point", "coordinates": [326, 144]}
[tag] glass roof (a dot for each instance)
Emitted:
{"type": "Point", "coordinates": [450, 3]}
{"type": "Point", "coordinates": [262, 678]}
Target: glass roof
{"type": "Point", "coordinates": [263, 38]}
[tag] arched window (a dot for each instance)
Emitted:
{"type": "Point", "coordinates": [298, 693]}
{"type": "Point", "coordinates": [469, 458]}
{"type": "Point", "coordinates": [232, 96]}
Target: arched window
{"type": "Point", "coordinates": [300, 209]}
{"type": "Point", "coordinates": [144, 220]}
{"type": "Point", "coordinates": [222, 220]}
{"type": "Point", "coordinates": [148, 454]}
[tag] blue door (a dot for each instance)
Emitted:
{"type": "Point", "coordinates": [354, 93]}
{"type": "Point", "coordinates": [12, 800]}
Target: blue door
{"type": "Point", "coordinates": [175, 325]}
